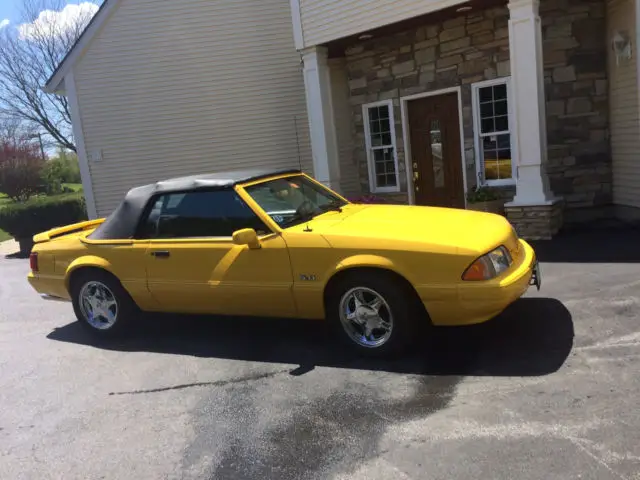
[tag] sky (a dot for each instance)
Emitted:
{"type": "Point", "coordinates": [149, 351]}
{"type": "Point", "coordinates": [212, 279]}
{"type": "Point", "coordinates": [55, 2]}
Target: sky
{"type": "Point", "coordinates": [10, 11]}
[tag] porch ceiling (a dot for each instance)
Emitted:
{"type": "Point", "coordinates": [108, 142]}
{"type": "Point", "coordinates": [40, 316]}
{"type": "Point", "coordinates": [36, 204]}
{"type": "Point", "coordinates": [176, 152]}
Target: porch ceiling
{"type": "Point", "coordinates": [338, 47]}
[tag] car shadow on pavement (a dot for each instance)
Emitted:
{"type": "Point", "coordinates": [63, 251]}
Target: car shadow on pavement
{"type": "Point", "coordinates": [532, 337]}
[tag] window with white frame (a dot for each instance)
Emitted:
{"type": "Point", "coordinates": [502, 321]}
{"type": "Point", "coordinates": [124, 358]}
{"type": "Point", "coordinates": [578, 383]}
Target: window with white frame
{"type": "Point", "coordinates": [380, 138]}
{"type": "Point", "coordinates": [495, 161]}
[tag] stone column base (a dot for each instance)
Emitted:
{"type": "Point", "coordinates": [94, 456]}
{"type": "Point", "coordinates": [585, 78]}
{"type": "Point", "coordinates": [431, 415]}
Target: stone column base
{"type": "Point", "coordinates": [536, 222]}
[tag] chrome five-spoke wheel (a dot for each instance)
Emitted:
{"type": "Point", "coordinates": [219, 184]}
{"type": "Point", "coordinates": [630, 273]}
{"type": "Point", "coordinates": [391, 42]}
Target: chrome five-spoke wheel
{"type": "Point", "coordinates": [374, 312]}
{"type": "Point", "coordinates": [366, 317]}
{"type": "Point", "coordinates": [98, 305]}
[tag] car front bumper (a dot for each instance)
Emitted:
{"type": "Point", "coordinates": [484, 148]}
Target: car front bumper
{"type": "Point", "coordinates": [477, 302]}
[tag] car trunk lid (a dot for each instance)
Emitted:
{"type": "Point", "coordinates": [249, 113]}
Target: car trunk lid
{"type": "Point", "coordinates": [78, 229]}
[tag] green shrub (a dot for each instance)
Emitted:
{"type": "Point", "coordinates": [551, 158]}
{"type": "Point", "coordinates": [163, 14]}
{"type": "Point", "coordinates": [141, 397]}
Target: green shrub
{"type": "Point", "coordinates": [52, 177]}
{"type": "Point", "coordinates": [484, 194]}
{"type": "Point", "coordinates": [60, 170]}
{"type": "Point", "coordinates": [39, 214]}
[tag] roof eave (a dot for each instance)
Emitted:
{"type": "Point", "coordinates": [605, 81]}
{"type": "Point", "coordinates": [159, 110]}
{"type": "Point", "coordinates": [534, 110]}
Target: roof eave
{"type": "Point", "coordinates": [55, 83]}
{"type": "Point", "coordinates": [55, 86]}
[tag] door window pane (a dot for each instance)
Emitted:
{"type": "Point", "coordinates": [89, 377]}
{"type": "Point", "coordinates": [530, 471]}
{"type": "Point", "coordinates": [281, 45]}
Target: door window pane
{"type": "Point", "coordinates": [216, 213]}
{"type": "Point", "coordinates": [436, 154]}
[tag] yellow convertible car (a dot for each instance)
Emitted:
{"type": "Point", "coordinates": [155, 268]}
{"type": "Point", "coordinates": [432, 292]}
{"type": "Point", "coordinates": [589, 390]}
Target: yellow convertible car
{"type": "Point", "coordinates": [280, 244]}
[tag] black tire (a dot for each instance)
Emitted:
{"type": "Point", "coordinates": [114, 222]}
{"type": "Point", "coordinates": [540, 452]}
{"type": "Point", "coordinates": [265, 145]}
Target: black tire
{"type": "Point", "coordinates": [127, 310]}
{"type": "Point", "coordinates": [402, 302]}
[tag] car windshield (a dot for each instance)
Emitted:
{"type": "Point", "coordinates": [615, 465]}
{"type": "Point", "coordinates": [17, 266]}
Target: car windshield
{"type": "Point", "coordinates": [293, 200]}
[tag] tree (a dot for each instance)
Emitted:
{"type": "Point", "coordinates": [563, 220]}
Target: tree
{"type": "Point", "coordinates": [29, 54]}
{"type": "Point", "coordinates": [20, 169]}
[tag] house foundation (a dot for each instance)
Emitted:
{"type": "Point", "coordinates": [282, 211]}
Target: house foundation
{"type": "Point", "coordinates": [536, 222]}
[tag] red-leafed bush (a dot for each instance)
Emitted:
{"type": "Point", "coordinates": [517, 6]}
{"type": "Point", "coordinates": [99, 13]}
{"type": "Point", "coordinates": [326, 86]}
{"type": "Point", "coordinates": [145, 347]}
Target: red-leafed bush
{"type": "Point", "coordinates": [20, 170]}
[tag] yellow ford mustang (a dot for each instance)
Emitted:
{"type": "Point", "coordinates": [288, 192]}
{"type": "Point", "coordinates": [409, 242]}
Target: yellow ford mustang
{"type": "Point", "coordinates": [280, 244]}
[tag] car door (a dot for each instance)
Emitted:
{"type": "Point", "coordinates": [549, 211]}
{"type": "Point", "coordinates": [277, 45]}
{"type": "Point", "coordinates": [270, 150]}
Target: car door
{"type": "Point", "coordinates": [194, 267]}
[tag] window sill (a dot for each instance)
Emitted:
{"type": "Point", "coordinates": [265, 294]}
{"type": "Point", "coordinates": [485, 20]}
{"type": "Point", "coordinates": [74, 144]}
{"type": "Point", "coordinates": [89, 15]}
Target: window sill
{"type": "Point", "coordinates": [383, 191]}
{"type": "Point", "coordinates": [498, 184]}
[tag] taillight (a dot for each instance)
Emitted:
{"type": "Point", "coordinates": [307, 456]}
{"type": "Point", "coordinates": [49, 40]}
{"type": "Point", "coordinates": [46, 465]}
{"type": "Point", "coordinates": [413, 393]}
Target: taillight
{"type": "Point", "coordinates": [33, 262]}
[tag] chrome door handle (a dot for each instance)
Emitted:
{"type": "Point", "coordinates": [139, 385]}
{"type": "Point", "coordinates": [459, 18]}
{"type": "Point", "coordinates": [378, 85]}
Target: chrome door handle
{"type": "Point", "coordinates": [161, 253]}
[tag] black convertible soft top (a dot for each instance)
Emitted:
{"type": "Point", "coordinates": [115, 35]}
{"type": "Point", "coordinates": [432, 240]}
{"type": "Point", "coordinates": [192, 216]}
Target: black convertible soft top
{"type": "Point", "coordinates": [124, 220]}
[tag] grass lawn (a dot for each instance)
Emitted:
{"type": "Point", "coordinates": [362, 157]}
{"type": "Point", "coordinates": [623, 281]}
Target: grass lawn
{"type": "Point", "coordinates": [76, 187]}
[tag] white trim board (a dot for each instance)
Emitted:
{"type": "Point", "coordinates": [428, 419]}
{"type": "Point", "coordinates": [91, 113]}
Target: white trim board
{"type": "Point", "coordinates": [296, 19]}
{"type": "Point", "coordinates": [367, 142]}
{"type": "Point", "coordinates": [407, 140]}
{"type": "Point", "coordinates": [78, 134]}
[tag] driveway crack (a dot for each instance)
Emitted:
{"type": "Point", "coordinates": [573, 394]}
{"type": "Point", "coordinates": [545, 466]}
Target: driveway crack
{"type": "Point", "coordinates": [218, 383]}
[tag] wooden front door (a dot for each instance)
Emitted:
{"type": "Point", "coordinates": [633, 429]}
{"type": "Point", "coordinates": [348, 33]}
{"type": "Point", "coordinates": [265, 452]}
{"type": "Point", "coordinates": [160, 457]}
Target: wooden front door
{"type": "Point", "coordinates": [434, 126]}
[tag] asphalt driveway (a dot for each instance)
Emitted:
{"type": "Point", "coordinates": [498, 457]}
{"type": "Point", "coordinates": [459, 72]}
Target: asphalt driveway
{"type": "Point", "coordinates": [548, 390]}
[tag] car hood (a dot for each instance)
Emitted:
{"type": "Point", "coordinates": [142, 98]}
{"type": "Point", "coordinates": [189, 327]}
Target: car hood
{"type": "Point", "coordinates": [415, 227]}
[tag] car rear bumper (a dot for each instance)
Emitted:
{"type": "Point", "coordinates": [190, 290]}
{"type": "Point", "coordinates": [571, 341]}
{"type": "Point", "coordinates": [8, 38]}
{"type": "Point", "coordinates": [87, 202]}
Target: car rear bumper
{"type": "Point", "coordinates": [478, 302]}
{"type": "Point", "coordinates": [49, 287]}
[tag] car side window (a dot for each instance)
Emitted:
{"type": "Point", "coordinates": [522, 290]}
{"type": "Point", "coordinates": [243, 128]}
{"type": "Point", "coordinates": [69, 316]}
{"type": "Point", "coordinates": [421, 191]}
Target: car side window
{"type": "Point", "coordinates": [216, 213]}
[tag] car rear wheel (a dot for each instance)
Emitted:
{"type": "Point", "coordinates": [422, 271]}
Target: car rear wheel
{"type": "Point", "coordinates": [373, 313]}
{"type": "Point", "coordinates": [100, 303]}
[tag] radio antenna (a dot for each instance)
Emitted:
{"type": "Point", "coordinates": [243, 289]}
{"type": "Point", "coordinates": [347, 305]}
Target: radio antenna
{"type": "Point", "coordinates": [295, 124]}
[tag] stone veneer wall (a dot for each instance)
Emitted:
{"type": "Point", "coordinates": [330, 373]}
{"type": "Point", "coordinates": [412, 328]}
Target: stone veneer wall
{"type": "Point", "coordinates": [575, 59]}
{"type": "Point", "coordinates": [536, 223]}
{"type": "Point", "coordinates": [475, 47]}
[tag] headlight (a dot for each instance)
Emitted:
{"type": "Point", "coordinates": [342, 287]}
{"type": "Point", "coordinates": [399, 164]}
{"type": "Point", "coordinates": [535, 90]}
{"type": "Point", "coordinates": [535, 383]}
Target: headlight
{"type": "Point", "coordinates": [489, 266]}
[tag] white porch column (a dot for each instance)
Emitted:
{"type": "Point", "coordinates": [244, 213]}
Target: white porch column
{"type": "Point", "coordinates": [324, 143]}
{"type": "Point", "coordinates": [527, 84]}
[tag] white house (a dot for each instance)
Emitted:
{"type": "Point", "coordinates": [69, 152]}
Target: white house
{"type": "Point", "coordinates": [419, 101]}
{"type": "Point", "coordinates": [159, 89]}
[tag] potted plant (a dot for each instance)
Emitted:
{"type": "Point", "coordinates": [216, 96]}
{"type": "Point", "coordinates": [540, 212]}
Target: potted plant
{"type": "Point", "coordinates": [486, 199]}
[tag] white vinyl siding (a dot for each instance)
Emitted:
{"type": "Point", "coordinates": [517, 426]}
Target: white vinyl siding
{"type": "Point", "coordinates": [326, 20]}
{"type": "Point", "coordinates": [625, 125]}
{"type": "Point", "coordinates": [175, 88]}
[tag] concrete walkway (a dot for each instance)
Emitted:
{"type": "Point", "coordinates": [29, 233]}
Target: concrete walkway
{"type": "Point", "coordinates": [9, 247]}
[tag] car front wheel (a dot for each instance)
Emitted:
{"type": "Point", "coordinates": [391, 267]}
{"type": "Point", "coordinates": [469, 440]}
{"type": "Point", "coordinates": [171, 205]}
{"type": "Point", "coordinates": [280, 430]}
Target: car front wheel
{"type": "Point", "coordinates": [374, 313]}
{"type": "Point", "coordinates": [100, 303]}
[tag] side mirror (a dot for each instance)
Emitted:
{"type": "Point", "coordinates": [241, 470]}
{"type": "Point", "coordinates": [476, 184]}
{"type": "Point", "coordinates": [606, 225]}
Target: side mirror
{"type": "Point", "coordinates": [246, 236]}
